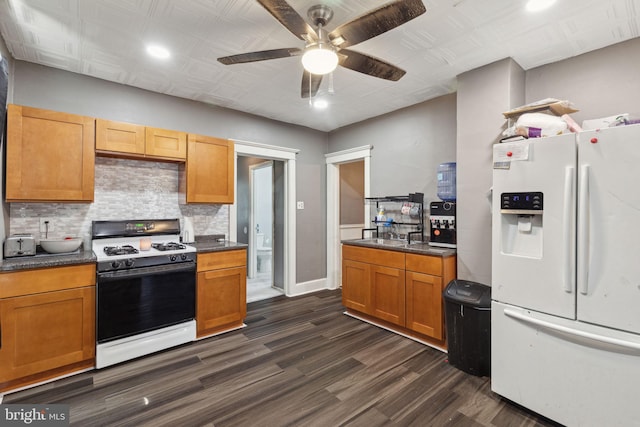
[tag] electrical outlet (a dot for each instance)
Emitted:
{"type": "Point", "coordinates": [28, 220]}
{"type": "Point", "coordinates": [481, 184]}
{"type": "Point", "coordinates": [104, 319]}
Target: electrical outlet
{"type": "Point", "coordinates": [46, 225]}
{"type": "Point", "coordinates": [300, 205]}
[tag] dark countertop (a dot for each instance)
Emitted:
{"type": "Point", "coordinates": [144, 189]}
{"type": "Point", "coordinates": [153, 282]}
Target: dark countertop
{"type": "Point", "coordinates": [402, 246]}
{"type": "Point", "coordinates": [44, 261]}
{"type": "Point", "coordinates": [204, 246]}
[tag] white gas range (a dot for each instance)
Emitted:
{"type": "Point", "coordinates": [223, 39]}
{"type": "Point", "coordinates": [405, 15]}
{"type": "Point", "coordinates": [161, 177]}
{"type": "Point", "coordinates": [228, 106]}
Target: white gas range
{"type": "Point", "coordinates": [145, 288]}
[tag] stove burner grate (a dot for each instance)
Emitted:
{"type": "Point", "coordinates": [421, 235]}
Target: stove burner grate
{"type": "Point", "coordinates": [120, 250]}
{"type": "Point", "coordinates": [169, 246]}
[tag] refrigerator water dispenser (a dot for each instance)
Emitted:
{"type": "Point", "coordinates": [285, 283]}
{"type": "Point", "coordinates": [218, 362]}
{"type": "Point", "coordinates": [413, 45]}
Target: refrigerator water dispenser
{"type": "Point", "coordinates": [522, 215]}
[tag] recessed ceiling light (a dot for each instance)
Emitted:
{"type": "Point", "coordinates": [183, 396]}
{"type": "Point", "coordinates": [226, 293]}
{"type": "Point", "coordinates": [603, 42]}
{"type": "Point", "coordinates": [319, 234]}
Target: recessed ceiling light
{"type": "Point", "coordinates": [538, 5]}
{"type": "Point", "coordinates": [158, 51]}
{"type": "Point", "coordinates": [320, 104]}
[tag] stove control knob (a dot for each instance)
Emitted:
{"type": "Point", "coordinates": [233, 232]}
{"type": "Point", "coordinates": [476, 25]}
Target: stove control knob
{"type": "Point", "coordinates": [183, 257]}
{"type": "Point", "coordinates": [115, 264]}
{"type": "Point", "coordinates": [128, 263]}
{"type": "Point", "coordinates": [173, 258]}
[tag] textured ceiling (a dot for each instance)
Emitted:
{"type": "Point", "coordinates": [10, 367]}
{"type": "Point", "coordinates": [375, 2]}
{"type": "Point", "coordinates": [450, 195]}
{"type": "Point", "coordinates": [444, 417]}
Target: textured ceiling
{"type": "Point", "coordinates": [107, 38]}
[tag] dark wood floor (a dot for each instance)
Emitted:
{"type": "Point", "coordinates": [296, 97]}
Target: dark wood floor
{"type": "Point", "coordinates": [299, 362]}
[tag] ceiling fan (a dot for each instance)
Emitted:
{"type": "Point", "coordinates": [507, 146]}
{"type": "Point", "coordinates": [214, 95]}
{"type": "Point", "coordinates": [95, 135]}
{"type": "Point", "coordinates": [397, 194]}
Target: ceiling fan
{"type": "Point", "coordinates": [325, 51]}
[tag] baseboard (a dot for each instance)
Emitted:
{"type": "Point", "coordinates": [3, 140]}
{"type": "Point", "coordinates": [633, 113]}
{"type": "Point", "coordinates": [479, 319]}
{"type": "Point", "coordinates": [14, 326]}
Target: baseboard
{"type": "Point", "coordinates": [308, 287]}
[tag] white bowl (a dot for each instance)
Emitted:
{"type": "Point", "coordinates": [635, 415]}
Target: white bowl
{"type": "Point", "coordinates": [60, 246]}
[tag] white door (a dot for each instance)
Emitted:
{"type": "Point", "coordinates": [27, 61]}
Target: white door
{"type": "Point", "coordinates": [261, 217]}
{"type": "Point", "coordinates": [533, 256]}
{"type": "Point", "coordinates": [609, 228]}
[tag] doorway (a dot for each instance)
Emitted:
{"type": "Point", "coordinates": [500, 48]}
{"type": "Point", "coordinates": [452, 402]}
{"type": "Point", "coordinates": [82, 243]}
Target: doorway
{"type": "Point", "coordinates": [257, 209]}
{"type": "Point", "coordinates": [283, 234]}
{"type": "Point", "coordinates": [334, 160]}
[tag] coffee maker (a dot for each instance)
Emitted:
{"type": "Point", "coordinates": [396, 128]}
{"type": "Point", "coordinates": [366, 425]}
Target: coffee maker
{"type": "Point", "coordinates": [442, 216]}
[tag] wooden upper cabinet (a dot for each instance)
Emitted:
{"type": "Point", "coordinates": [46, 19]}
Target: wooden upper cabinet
{"type": "Point", "coordinates": [50, 156]}
{"type": "Point", "coordinates": [166, 143]}
{"type": "Point", "coordinates": [208, 175]}
{"type": "Point", "coordinates": [121, 139]}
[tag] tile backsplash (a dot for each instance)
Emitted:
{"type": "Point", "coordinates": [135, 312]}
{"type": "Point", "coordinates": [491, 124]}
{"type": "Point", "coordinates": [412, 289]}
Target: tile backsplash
{"type": "Point", "coordinates": [124, 189]}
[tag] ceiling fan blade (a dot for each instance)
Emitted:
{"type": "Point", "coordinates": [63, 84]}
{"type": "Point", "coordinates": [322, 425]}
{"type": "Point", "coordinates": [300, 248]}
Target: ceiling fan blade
{"type": "Point", "coordinates": [369, 65]}
{"type": "Point", "coordinates": [287, 16]}
{"type": "Point", "coordinates": [310, 90]}
{"type": "Point", "coordinates": [262, 55]}
{"type": "Point", "coordinates": [376, 22]}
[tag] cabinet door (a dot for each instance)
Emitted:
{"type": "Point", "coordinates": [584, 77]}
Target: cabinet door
{"type": "Point", "coordinates": [50, 156]}
{"type": "Point", "coordinates": [221, 301]}
{"type": "Point", "coordinates": [388, 294]}
{"type": "Point", "coordinates": [169, 144]}
{"type": "Point", "coordinates": [47, 331]}
{"type": "Point", "coordinates": [209, 170]}
{"type": "Point", "coordinates": [424, 304]}
{"type": "Point", "coordinates": [356, 287]}
{"type": "Point", "coordinates": [119, 137]}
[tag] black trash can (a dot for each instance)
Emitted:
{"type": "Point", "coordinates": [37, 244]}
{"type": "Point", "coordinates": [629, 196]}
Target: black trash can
{"type": "Point", "coordinates": [468, 320]}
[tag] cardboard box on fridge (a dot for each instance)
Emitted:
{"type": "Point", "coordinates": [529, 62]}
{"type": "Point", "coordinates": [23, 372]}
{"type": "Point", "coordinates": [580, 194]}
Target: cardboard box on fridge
{"type": "Point", "coordinates": [552, 105]}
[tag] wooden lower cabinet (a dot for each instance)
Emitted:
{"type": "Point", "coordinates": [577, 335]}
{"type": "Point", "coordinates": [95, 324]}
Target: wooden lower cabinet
{"type": "Point", "coordinates": [357, 292]}
{"type": "Point", "coordinates": [401, 289]}
{"type": "Point", "coordinates": [49, 329]}
{"type": "Point", "coordinates": [221, 297]}
{"type": "Point", "coordinates": [388, 294]}
{"type": "Point", "coordinates": [375, 290]}
{"type": "Point", "coordinates": [424, 304]}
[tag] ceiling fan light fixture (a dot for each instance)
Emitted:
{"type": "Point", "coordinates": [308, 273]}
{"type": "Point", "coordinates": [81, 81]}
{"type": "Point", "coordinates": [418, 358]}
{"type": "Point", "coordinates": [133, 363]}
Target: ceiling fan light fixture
{"type": "Point", "coordinates": [319, 60]}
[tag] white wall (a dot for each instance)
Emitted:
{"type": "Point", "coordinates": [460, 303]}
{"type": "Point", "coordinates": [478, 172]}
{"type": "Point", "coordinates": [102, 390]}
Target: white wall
{"type": "Point", "coordinates": [483, 94]}
{"type": "Point", "coordinates": [600, 83]}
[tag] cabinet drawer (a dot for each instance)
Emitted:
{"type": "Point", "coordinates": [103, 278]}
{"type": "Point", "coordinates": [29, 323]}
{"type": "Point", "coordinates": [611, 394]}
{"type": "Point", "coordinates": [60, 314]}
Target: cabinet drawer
{"type": "Point", "coordinates": [222, 259]}
{"type": "Point", "coordinates": [380, 257]}
{"type": "Point", "coordinates": [424, 264]}
{"type": "Point", "coordinates": [30, 282]}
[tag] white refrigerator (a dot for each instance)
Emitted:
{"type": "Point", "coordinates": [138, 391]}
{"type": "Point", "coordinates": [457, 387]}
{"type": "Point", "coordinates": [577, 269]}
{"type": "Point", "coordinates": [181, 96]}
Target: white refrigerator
{"type": "Point", "coordinates": [566, 276]}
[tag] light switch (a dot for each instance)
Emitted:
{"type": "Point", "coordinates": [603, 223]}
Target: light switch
{"type": "Point", "coordinates": [300, 205]}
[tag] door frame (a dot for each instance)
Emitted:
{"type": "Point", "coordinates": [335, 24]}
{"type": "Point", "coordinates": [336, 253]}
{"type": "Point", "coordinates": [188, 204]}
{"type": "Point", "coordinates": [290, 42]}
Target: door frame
{"type": "Point", "coordinates": [288, 156]}
{"type": "Point", "coordinates": [333, 161]}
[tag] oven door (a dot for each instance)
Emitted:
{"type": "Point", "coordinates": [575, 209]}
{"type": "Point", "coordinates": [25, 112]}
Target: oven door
{"type": "Point", "coordinates": [131, 302]}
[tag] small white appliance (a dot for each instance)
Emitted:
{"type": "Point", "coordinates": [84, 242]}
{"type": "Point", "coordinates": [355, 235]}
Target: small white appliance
{"type": "Point", "coordinates": [566, 276]}
{"type": "Point", "coordinates": [188, 233]}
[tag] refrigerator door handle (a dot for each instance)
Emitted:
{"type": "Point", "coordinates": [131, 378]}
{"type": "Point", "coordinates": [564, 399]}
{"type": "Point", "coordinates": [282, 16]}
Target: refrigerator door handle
{"type": "Point", "coordinates": [583, 230]}
{"type": "Point", "coordinates": [567, 225]}
{"type": "Point", "coordinates": [628, 345]}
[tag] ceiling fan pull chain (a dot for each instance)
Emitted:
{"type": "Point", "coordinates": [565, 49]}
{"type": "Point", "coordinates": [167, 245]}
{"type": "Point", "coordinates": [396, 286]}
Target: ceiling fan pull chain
{"type": "Point", "coordinates": [331, 91]}
{"type": "Point", "coordinates": [310, 93]}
